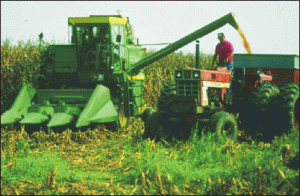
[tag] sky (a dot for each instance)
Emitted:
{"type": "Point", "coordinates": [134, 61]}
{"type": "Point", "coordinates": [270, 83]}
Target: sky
{"type": "Point", "coordinates": [270, 27]}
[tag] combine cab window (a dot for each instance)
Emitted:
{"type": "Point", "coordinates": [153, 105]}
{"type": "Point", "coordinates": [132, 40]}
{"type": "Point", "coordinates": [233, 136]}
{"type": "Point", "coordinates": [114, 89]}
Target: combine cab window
{"type": "Point", "coordinates": [117, 30]}
{"type": "Point", "coordinates": [70, 33]}
{"type": "Point", "coordinates": [96, 32]}
{"type": "Point", "coordinates": [118, 50]}
{"type": "Point", "coordinates": [94, 46]}
{"type": "Point", "coordinates": [79, 33]}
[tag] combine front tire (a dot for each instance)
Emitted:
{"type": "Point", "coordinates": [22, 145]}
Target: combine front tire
{"type": "Point", "coordinates": [223, 124]}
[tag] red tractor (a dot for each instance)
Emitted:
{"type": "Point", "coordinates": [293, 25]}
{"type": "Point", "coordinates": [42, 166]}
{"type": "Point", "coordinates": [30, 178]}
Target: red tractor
{"type": "Point", "coordinates": [264, 99]}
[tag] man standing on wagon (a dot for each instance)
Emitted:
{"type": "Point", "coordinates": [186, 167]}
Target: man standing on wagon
{"type": "Point", "coordinates": [225, 52]}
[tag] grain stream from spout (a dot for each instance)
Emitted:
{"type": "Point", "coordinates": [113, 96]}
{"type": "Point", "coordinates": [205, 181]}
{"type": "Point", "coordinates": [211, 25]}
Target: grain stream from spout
{"type": "Point", "coordinates": [245, 41]}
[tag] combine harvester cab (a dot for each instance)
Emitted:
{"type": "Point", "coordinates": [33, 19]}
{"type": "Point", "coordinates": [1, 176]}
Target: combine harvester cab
{"type": "Point", "coordinates": [86, 81]}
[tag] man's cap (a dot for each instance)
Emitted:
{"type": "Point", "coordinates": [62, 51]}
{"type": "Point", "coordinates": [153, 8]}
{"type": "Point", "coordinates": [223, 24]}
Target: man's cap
{"type": "Point", "coordinates": [221, 35]}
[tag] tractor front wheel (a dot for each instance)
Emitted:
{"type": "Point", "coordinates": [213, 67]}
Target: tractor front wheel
{"type": "Point", "coordinates": [224, 125]}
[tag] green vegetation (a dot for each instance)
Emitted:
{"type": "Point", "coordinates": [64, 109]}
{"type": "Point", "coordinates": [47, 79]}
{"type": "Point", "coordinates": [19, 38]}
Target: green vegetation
{"type": "Point", "coordinates": [19, 64]}
{"type": "Point", "coordinates": [104, 162]}
{"type": "Point", "coordinates": [99, 161]}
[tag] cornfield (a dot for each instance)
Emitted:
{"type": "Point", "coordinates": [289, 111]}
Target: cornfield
{"type": "Point", "coordinates": [19, 64]}
{"type": "Point", "coordinates": [101, 162]}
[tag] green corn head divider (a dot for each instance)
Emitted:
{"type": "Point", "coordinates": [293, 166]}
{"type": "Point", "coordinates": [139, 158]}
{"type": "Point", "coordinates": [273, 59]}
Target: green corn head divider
{"type": "Point", "coordinates": [19, 107]}
{"type": "Point", "coordinates": [98, 109]}
{"type": "Point", "coordinates": [88, 80]}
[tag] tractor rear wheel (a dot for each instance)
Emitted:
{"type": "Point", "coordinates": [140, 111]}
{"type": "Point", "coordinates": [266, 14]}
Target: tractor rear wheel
{"type": "Point", "coordinates": [261, 111]}
{"type": "Point", "coordinates": [224, 125]}
{"type": "Point", "coordinates": [154, 128]}
{"type": "Point", "coordinates": [263, 96]}
{"type": "Point", "coordinates": [145, 118]}
{"type": "Point", "coordinates": [147, 114]}
{"type": "Point", "coordinates": [289, 106]}
{"type": "Point", "coordinates": [166, 93]}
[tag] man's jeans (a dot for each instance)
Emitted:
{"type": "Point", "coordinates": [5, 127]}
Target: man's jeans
{"type": "Point", "coordinates": [229, 66]}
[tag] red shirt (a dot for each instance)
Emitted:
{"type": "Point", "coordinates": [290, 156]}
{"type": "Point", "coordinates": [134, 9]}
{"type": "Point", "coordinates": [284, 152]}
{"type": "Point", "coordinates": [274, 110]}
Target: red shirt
{"type": "Point", "coordinates": [224, 50]}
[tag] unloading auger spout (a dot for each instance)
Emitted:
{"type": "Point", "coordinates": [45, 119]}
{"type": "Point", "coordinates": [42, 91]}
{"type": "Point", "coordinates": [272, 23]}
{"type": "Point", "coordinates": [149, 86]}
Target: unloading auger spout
{"type": "Point", "coordinates": [229, 18]}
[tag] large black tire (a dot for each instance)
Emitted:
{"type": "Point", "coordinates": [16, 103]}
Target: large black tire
{"type": "Point", "coordinates": [146, 118]}
{"type": "Point", "coordinates": [288, 104]}
{"type": "Point", "coordinates": [223, 122]}
{"type": "Point", "coordinates": [165, 98]}
{"type": "Point", "coordinates": [147, 114]}
{"type": "Point", "coordinates": [259, 113]}
{"type": "Point", "coordinates": [262, 97]}
{"type": "Point", "coordinates": [168, 130]}
{"type": "Point", "coordinates": [154, 128]}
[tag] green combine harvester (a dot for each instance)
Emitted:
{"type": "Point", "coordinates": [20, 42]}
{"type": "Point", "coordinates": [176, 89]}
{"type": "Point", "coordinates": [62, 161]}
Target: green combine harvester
{"type": "Point", "coordinates": [98, 78]}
